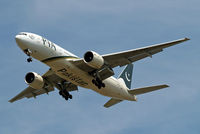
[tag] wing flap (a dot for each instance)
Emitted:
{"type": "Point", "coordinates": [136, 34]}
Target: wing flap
{"type": "Point", "coordinates": [144, 90]}
{"type": "Point", "coordinates": [144, 55]}
{"type": "Point", "coordinates": [111, 102]}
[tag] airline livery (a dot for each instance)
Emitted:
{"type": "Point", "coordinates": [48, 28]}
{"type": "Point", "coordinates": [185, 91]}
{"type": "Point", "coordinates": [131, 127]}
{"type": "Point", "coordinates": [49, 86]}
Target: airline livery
{"type": "Point", "coordinates": [93, 71]}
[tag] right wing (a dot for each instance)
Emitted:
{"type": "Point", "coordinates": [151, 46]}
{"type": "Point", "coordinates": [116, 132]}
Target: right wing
{"type": "Point", "coordinates": [112, 102]}
{"type": "Point", "coordinates": [53, 81]}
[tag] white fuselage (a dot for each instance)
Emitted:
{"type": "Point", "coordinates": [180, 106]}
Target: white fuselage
{"type": "Point", "coordinates": [59, 59]}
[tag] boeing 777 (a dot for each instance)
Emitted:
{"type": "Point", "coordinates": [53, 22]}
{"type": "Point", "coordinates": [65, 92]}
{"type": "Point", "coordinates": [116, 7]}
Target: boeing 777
{"type": "Point", "coordinates": [93, 71]}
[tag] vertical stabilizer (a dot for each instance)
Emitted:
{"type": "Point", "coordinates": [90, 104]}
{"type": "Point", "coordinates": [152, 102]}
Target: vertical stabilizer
{"type": "Point", "coordinates": [126, 75]}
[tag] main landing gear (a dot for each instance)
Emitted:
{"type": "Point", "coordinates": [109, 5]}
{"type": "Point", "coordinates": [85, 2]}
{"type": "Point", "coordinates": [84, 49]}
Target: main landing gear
{"type": "Point", "coordinates": [101, 74]}
{"type": "Point", "coordinates": [97, 82]}
{"type": "Point", "coordinates": [63, 90]}
{"type": "Point", "coordinates": [28, 53]}
{"type": "Point", "coordinates": [65, 94]}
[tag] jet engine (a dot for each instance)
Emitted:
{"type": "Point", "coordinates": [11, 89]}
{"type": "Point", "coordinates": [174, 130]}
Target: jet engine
{"type": "Point", "coordinates": [34, 80]}
{"type": "Point", "coordinates": [93, 59]}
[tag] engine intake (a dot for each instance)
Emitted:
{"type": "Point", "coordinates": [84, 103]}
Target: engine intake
{"type": "Point", "coordinates": [88, 56]}
{"type": "Point", "coordinates": [93, 59]}
{"type": "Point", "coordinates": [34, 80]}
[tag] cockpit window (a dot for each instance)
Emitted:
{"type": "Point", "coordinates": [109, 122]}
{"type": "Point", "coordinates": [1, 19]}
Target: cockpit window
{"type": "Point", "coordinates": [22, 34]}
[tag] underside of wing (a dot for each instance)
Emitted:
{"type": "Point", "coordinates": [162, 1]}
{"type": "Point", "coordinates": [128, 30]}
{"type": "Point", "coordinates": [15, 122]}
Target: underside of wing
{"type": "Point", "coordinates": [102, 73]}
{"type": "Point", "coordinates": [20, 95]}
{"type": "Point", "coordinates": [52, 81]}
{"type": "Point", "coordinates": [57, 81]}
{"type": "Point", "coordinates": [30, 92]}
{"type": "Point", "coordinates": [82, 65]}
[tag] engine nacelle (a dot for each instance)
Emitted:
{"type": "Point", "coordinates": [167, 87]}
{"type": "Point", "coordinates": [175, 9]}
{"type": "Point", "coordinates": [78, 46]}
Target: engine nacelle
{"type": "Point", "coordinates": [93, 59]}
{"type": "Point", "coordinates": [34, 80]}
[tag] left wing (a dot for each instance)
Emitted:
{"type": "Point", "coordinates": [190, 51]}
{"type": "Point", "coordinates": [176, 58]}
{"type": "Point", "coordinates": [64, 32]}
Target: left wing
{"type": "Point", "coordinates": [53, 81]}
{"type": "Point", "coordinates": [127, 57]}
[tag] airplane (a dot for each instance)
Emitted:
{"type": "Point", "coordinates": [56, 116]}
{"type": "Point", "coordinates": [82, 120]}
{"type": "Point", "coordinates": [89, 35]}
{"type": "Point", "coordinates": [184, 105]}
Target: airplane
{"type": "Point", "coordinates": [93, 71]}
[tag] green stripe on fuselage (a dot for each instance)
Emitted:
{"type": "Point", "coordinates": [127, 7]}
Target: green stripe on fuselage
{"type": "Point", "coordinates": [58, 58]}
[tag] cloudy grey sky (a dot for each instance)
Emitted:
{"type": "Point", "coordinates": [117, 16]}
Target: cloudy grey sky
{"type": "Point", "coordinates": [104, 26]}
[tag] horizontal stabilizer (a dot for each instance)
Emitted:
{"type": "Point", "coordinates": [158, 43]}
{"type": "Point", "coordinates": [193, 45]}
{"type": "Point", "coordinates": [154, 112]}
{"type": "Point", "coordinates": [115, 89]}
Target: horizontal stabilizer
{"type": "Point", "coordinates": [144, 90]}
{"type": "Point", "coordinates": [112, 102]}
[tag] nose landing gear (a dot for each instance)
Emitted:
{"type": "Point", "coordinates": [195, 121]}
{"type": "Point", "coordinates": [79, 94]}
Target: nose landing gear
{"type": "Point", "coordinates": [28, 53]}
{"type": "Point", "coordinates": [29, 59]}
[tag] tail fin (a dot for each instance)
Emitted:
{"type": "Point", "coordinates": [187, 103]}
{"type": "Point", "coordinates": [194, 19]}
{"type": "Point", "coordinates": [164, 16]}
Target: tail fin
{"type": "Point", "coordinates": [126, 75]}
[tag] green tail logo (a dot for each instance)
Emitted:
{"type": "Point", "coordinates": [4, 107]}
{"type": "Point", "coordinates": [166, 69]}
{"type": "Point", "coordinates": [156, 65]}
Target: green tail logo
{"type": "Point", "coordinates": [126, 75]}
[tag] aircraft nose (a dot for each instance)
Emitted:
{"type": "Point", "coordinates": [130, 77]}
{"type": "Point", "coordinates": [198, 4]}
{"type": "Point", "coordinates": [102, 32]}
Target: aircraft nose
{"type": "Point", "coordinates": [21, 41]}
{"type": "Point", "coordinates": [18, 38]}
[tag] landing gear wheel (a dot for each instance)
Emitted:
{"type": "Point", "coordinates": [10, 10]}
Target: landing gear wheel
{"type": "Point", "coordinates": [28, 53]}
{"type": "Point", "coordinates": [70, 96]}
{"type": "Point", "coordinates": [98, 83]}
{"type": "Point", "coordinates": [103, 85]}
{"type": "Point", "coordinates": [29, 59]}
{"type": "Point", "coordinates": [60, 93]}
{"type": "Point", "coordinates": [99, 86]}
{"type": "Point", "coordinates": [93, 81]}
{"type": "Point", "coordinates": [65, 94]}
{"type": "Point", "coordinates": [66, 98]}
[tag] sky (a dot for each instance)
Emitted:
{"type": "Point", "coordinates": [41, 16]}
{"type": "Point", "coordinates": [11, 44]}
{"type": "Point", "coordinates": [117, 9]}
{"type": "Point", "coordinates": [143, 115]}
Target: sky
{"type": "Point", "coordinates": [104, 26]}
